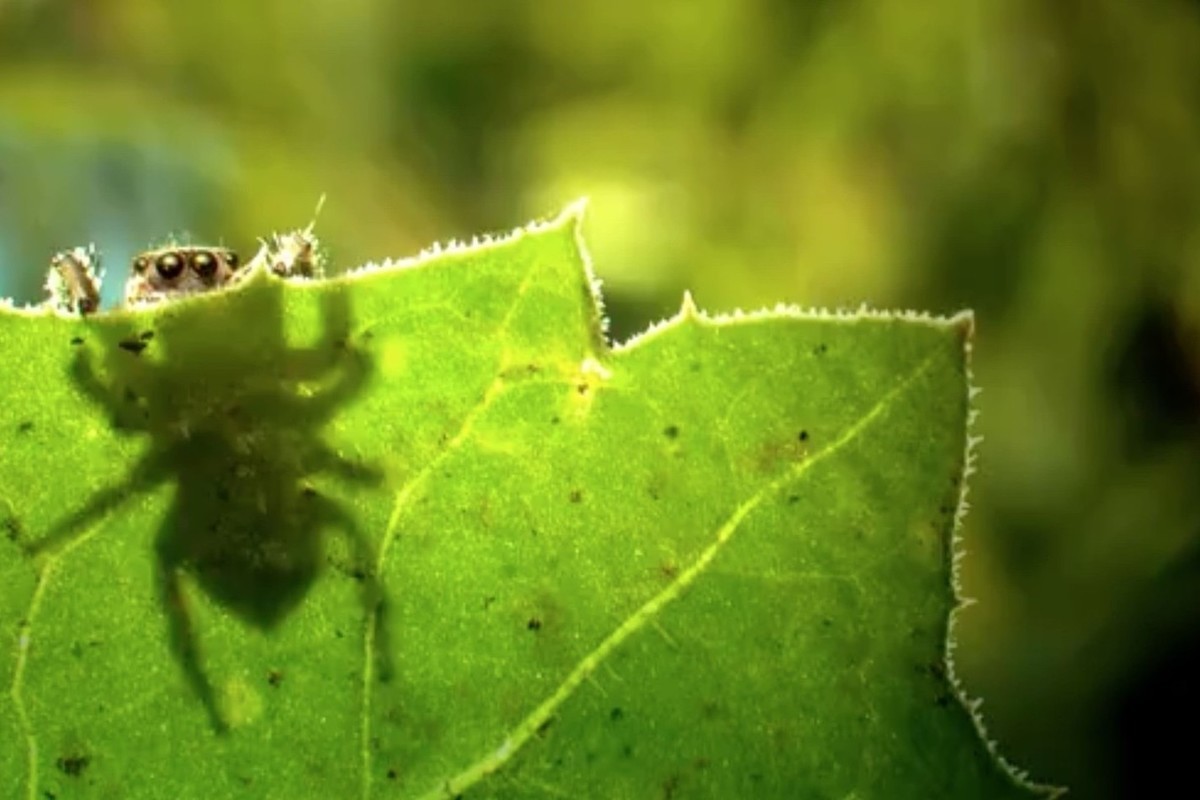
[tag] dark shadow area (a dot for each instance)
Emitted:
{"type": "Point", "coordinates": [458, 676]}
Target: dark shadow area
{"type": "Point", "coordinates": [234, 418]}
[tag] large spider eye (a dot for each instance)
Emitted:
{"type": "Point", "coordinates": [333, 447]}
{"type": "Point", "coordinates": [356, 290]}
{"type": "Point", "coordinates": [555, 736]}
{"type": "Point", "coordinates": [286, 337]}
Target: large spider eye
{"type": "Point", "coordinates": [231, 258]}
{"type": "Point", "coordinates": [169, 265]}
{"type": "Point", "coordinates": [204, 263]}
{"type": "Point", "coordinates": [141, 264]}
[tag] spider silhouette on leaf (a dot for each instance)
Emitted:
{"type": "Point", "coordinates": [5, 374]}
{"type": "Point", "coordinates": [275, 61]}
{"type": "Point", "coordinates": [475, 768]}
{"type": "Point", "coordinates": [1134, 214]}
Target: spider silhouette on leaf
{"type": "Point", "coordinates": [233, 415]}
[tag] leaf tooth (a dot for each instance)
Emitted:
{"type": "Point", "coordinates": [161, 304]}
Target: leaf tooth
{"type": "Point", "coordinates": [688, 309]}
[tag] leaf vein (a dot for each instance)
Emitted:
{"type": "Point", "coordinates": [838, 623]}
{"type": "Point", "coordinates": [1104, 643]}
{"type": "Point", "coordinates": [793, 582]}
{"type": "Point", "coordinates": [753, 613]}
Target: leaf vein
{"type": "Point", "coordinates": [527, 728]}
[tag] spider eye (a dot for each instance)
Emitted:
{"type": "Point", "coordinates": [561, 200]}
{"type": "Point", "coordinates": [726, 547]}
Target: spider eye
{"type": "Point", "coordinates": [169, 265]}
{"type": "Point", "coordinates": [231, 258]}
{"type": "Point", "coordinates": [204, 263]}
{"type": "Point", "coordinates": [141, 264]}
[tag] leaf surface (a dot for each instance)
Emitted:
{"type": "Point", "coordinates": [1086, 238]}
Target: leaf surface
{"type": "Point", "coordinates": [419, 532]}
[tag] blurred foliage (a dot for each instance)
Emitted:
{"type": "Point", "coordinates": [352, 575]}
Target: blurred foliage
{"type": "Point", "coordinates": [1035, 161]}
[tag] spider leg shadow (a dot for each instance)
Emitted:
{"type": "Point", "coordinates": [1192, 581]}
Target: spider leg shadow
{"type": "Point", "coordinates": [145, 475]}
{"type": "Point", "coordinates": [372, 592]}
{"type": "Point", "coordinates": [182, 637]}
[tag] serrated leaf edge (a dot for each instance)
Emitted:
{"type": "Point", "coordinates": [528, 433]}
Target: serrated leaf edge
{"type": "Point", "coordinates": [958, 552]}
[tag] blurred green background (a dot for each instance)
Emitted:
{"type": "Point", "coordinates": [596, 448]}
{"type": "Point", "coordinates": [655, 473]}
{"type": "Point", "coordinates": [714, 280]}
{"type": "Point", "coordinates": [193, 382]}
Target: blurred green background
{"type": "Point", "coordinates": [1038, 162]}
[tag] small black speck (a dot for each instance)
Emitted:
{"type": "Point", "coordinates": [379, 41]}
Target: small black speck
{"type": "Point", "coordinates": [671, 431]}
{"type": "Point", "coordinates": [534, 624]}
{"type": "Point", "coordinates": [49, 795]}
{"type": "Point", "coordinates": [820, 349]}
{"type": "Point", "coordinates": [339, 634]}
{"type": "Point", "coordinates": [12, 528]}
{"type": "Point", "coordinates": [73, 765]}
{"type": "Point", "coordinates": [803, 436]}
{"type": "Point", "coordinates": [616, 713]}
{"type": "Point", "coordinates": [275, 677]}
{"type": "Point", "coordinates": [576, 495]}
{"type": "Point", "coordinates": [135, 346]}
{"type": "Point", "coordinates": [25, 427]}
{"type": "Point", "coordinates": [76, 340]}
{"type": "Point", "coordinates": [392, 774]}
{"type": "Point", "coordinates": [308, 491]}
{"type": "Point", "coordinates": [943, 700]}
{"type": "Point", "coordinates": [582, 388]}
{"type": "Point", "coordinates": [545, 726]}
{"type": "Point", "coordinates": [146, 336]}
{"type": "Point", "coordinates": [487, 601]}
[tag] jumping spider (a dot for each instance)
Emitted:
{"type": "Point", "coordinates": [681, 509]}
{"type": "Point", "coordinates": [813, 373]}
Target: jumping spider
{"type": "Point", "coordinates": [235, 422]}
{"type": "Point", "coordinates": [174, 270]}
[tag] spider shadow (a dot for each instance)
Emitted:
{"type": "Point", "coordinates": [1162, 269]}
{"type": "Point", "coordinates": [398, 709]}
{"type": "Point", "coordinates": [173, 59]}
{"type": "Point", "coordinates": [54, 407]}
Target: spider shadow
{"type": "Point", "coordinates": [233, 415]}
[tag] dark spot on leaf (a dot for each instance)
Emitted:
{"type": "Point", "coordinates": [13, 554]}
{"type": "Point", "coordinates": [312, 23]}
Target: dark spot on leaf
{"type": "Point", "coordinates": [671, 431]}
{"type": "Point", "coordinates": [695, 365]}
{"type": "Point", "coordinates": [275, 677]}
{"type": "Point", "coordinates": [25, 427]}
{"type": "Point", "coordinates": [487, 601]}
{"type": "Point", "coordinates": [826, 622]}
{"type": "Point", "coordinates": [534, 624]}
{"type": "Point", "coordinates": [669, 569]}
{"type": "Point", "coordinates": [392, 774]}
{"type": "Point", "coordinates": [803, 436]}
{"type": "Point", "coordinates": [576, 495]}
{"type": "Point", "coordinates": [820, 349]}
{"type": "Point", "coordinates": [338, 634]}
{"type": "Point", "coordinates": [616, 714]}
{"type": "Point", "coordinates": [555, 420]}
{"type": "Point", "coordinates": [135, 346]}
{"type": "Point", "coordinates": [73, 765]}
{"type": "Point", "coordinates": [582, 388]}
{"type": "Point", "coordinates": [793, 498]}
{"type": "Point", "coordinates": [627, 751]}
{"type": "Point", "coordinates": [76, 340]}
{"type": "Point", "coordinates": [146, 336]}
{"type": "Point", "coordinates": [49, 795]}
{"type": "Point", "coordinates": [12, 528]}
{"type": "Point", "coordinates": [545, 726]}
{"type": "Point", "coordinates": [943, 700]}
{"type": "Point", "coordinates": [532, 369]}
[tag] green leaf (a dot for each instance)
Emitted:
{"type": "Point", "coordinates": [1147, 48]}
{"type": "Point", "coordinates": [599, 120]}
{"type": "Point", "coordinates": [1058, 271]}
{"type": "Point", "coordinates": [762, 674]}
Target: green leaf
{"type": "Point", "coordinates": [419, 532]}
